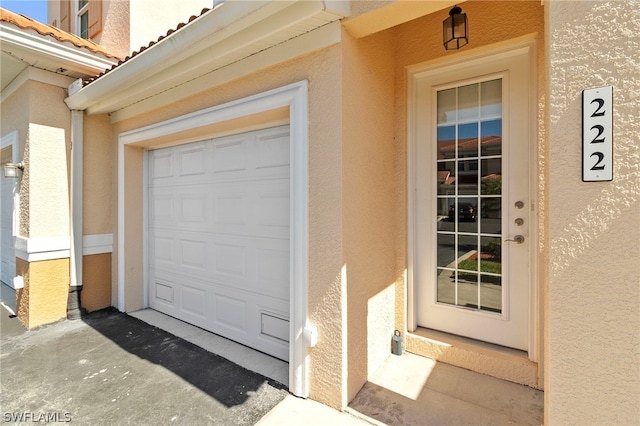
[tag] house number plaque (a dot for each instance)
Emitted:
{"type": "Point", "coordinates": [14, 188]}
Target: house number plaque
{"type": "Point", "coordinates": [597, 134]}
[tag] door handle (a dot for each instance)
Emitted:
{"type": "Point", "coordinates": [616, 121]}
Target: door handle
{"type": "Point", "coordinates": [517, 239]}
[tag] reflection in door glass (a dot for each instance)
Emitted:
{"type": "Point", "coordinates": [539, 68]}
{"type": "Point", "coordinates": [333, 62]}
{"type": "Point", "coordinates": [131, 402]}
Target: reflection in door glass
{"type": "Point", "coordinates": [469, 196]}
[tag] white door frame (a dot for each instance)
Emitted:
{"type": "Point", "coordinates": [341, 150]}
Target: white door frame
{"type": "Point", "coordinates": [11, 139]}
{"type": "Point", "coordinates": [461, 61]}
{"type": "Point", "coordinates": [295, 97]}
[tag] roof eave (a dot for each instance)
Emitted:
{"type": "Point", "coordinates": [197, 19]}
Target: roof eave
{"type": "Point", "coordinates": [23, 43]}
{"type": "Point", "coordinates": [229, 26]}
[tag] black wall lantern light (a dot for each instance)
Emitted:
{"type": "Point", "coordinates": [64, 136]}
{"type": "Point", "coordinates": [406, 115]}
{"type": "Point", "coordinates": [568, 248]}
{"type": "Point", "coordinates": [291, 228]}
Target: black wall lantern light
{"type": "Point", "coordinates": [455, 32]}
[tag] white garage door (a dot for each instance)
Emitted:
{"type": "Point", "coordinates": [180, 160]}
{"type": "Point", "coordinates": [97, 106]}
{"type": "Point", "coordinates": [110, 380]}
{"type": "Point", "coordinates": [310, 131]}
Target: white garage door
{"type": "Point", "coordinates": [219, 236]}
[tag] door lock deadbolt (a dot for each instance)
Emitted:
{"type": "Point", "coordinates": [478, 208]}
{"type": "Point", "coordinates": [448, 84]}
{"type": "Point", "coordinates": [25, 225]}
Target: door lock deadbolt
{"type": "Point", "coordinates": [519, 204]}
{"type": "Point", "coordinates": [519, 221]}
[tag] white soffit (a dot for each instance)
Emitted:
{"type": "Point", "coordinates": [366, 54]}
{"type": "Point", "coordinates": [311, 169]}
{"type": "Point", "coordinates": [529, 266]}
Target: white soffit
{"type": "Point", "coordinates": [47, 53]}
{"type": "Point", "coordinates": [223, 37]}
{"type": "Point", "coordinates": [394, 13]}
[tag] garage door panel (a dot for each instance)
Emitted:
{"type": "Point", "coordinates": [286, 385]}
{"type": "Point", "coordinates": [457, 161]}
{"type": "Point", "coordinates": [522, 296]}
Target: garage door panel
{"type": "Point", "coordinates": [230, 260]}
{"type": "Point", "coordinates": [231, 313]}
{"type": "Point", "coordinates": [218, 233]}
{"type": "Point", "coordinates": [192, 253]}
{"type": "Point", "coordinates": [255, 320]}
{"type": "Point", "coordinates": [273, 151]}
{"type": "Point", "coordinates": [163, 292]}
{"type": "Point", "coordinates": [272, 210]}
{"type": "Point", "coordinates": [261, 265]}
{"type": "Point", "coordinates": [230, 209]}
{"type": "Point", "coordinates": [259, 209]}
{"type": "Point", "coordinates": [162, 208]}
{"type": "Point", "coordinates": [194, 301]}
{"type": "Point", "coordinates": [229, 155]}
{"type": "Point", "coordinates": [193, 208]}
{"type": "Point", "coordinates": [161, 165]}
{"type": "Point", "coordinates": [191, 159]}
{"type": "Point", "coordinates": [161, 250]}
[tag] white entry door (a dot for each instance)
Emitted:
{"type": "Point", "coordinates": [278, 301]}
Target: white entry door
{"type": "Point", "coordinates": [473, 212]}
{"type": "Point", "coordinates": [219, 236]}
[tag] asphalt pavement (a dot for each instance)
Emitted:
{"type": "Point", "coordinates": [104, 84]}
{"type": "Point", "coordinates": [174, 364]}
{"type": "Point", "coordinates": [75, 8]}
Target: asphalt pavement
{"type": "Point", "coordinates": [112, 369]}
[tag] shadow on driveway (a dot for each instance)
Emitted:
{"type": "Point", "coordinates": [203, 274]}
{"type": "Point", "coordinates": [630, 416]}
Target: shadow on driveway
{"type": "Point", "coordinates": [110, 368]}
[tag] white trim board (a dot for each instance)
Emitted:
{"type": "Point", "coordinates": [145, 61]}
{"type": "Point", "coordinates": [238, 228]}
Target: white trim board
{"type": "Point", "coordinates": [97, 244]}
{"type": "Point", "coordinates": [295, 97]}
{"type": "Point", "coordinates": [42, 248]}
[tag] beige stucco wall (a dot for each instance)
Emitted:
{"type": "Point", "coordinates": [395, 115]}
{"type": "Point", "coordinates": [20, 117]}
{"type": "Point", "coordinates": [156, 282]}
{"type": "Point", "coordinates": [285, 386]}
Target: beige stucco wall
{"type": "Point", "coordinates": [152, 22]}
{"type": "Point", "coordinates": [96, 282]}
{"type": "Point", "coordinates": [37, 113]}
{"type": "Point", "coordinates": [368, 216]}
{"type": "Point", "coordinates": [44, 190]}
{"type": "Point", "coordinates": [98, 168]}
{"type": "Point", "coordinates": [326, 282]}
{"type": "Point", "coordinates": [46, 287]}
{"type": "Point", "coordinates": [593, 333]}
{"type": "Point", "coordinates": [116, 31]}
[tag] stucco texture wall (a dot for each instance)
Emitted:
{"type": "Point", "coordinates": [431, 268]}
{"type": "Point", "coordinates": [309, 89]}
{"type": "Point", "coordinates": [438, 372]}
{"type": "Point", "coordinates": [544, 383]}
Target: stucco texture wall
{"type": "Point", "coordinates": [96, 282]}
{"type": "Point", "coordinates": [43, 299]}
{"type": "Point", "coordinates": [368, 210]}
{"type": "Point", "coordinates": [36, 110]}
{"type": "Point", "coordinates": [44, 191]}
{"type": "Point", "coordinates": [593, 354]}
{"type": "Point", "coordinates": [326, 282]}
{"type": "Point", "coordinates": [99, 166]}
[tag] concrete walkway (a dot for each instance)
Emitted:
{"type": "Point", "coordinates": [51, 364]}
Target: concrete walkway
{"type": "Point", "coordinates": [112, 368]}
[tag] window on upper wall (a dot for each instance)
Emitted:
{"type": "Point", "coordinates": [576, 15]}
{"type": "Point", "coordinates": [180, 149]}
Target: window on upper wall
{"type": "Point", "coordinates": [88, 18]}
{"type": "Point", "coordinates": [83, 18]}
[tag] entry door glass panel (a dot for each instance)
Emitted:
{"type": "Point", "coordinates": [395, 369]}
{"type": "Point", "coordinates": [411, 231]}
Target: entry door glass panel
{"type": "Point", "coordinates": [469, 196]}
{"type": "Point", "coordinates": [470, 155]}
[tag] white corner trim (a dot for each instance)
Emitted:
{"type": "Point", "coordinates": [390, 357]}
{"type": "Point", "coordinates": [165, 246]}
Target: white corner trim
{"type": "Point", "coordinates": [42, 248]}
{"type": "Point", "coordinates": [295, 97]}
{"type": "Point", "coordinates": [97, 244]}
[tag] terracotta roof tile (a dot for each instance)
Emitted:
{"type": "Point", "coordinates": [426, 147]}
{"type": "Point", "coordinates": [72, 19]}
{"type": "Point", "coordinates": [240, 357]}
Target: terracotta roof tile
{"type": "Point", "coordinates": [143, 48]}
{"type": "Point", "coordinates": [24, 22]}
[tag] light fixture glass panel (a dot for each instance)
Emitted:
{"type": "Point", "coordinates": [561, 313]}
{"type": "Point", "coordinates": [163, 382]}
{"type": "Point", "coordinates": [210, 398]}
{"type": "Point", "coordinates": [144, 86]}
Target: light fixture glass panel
{"type": "Point", "coordinates": [10, 171]}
